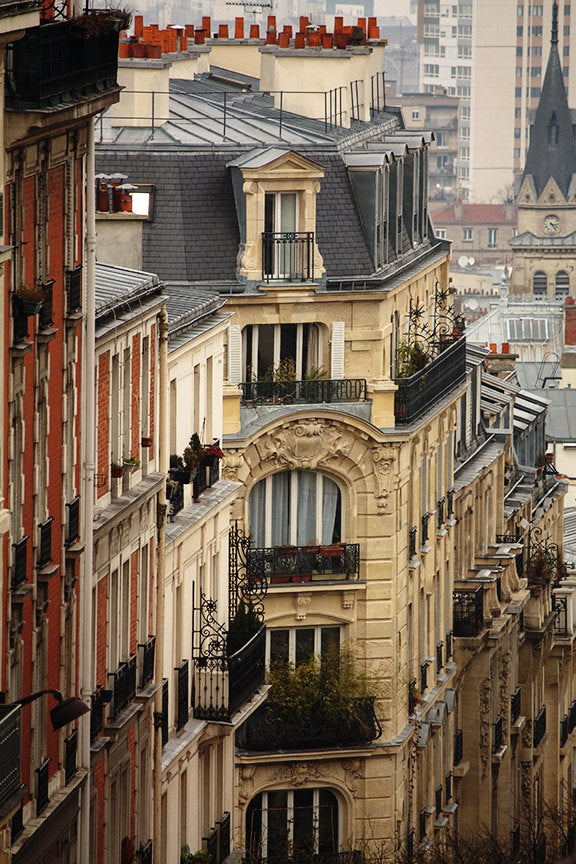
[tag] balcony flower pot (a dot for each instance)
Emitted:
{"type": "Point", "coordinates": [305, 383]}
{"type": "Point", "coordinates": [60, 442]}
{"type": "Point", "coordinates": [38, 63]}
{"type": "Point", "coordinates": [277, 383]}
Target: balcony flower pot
{"type": "Point", "coordinates": [131, 464]}
{"type": "Point", "coordinates": [116, 470]}
{"type": "Point", "coordinates": [214, 451]}
{"type": "Point", "coordinates": [31, 299]}
{"type": "Point", "coordinates": [146, 442]}
{"type": "Point", "coordinates": [183, 475]}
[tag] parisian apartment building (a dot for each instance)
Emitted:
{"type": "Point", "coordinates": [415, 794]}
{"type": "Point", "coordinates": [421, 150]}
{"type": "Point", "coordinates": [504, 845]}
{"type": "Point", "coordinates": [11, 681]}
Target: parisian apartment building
{"type": "Point", "coordinates": [284, 549]}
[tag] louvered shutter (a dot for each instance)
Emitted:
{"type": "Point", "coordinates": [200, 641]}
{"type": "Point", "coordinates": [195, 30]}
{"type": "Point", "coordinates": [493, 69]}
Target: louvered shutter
{"type": "Point", "coordinates": [337, 350]}
{"type": "Point", "coordinates": [234, 354]}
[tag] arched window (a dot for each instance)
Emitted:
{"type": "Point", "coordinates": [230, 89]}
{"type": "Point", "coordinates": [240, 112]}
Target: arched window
{"type": "Point", "coordinates": [298, 508]}
{"type": "Point", "coordinates": [539, 283]}
{"type": "Point", "coordinates": [562, 284]}
{"type": "Point", "coordinates": [298, 824]}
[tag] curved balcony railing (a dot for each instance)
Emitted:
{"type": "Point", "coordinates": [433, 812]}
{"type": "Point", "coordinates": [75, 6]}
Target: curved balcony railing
{"type": "Point", "coordinates": [303, 392]}
{"type": "Point", "coordinates": [421, 391]}
{"type": "Point", "coordinates": [288, 564]}
{"type": "Point", "coordinates": [264, 732]}
{"type": "Point", "coordinates": [468, 612]}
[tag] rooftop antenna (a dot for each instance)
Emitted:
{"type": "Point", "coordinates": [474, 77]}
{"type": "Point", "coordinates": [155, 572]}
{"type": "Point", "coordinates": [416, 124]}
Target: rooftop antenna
{"type": "Point", "coordinates": [254, 9]}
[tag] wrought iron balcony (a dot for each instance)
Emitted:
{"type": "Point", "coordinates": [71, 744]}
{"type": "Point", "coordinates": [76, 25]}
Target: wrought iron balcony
{"type": "Point", "coordinates": [45, 547]}
{"type": "Point", "coordinates": [42, 781]}
{"type": "Point", "coordinates": [439, 657]}
{"type": "Point", "coordinates": [73, 290]}
{"type": "Point", "coordinates": [223, 683]}
{"type": "Point", "coordinates": [424, 528]}
{"type": "Point", "coordinates": [182, 709]}
{"type": "Point", "coordinates": [145, 853]}
{"type": "Point", "coordinates": [515, 705]}
{"type": "Point", "coordinates": [124, 686]}
{"type": "Point", "coordinates": [539, 726]}
{"type": "Point", "coordinates": [147, 660]}
{"type": "Point", "coordinates": [458, 746]}
{"type": "Point", "coordinates": [304, 392]}
{"type": "Point", "coordinates": [288, 256]}
{"type": "Point", "coordinates": [54, 65]}
{"type": "Point", "coordinates": [572, 716]}
{"type": "Point", "coordinates": [288, 564]}
{"type": "Point", "coordinates": [412, 542]}
{"type": "Point", "coordinates": [424, 676]}
{"type": "Point", "coordinates": [449, 645]}
{"type": "Point", "coordinates": [45, 314]}
{"type": "Point", "coordinates": [440, 507]}
{"type": "Point", "coordinates": [10, 751]}
{"type": "Point", "coordinates": [71, 746]}
{"type": "Point", "coordinates": [449, 777]}
{"type": "Point", "coordinates": [449, 503]}
{"type": "Point", "coordinates": [165, 705]}
{"type": "Point", "coordinates": [19, 565]}
{"type": "Point", "coordinates": [421, 391]}
{"type": "Point", "coordinates": [422, 824]}
{"type": "Point", "coordinates": [468, 611]}
{"type": "Point", "coordinates": [224, 828]}
{"type": "Point", "coordinates": [262, 731]}
{"type": "Point", "coordinates": [73, 523]}
{"type": "Point", "coordinates": [411, 696]}
{"type": "Point", "coordinates": [97, 713]}
{"type": "Point", "coordinates": [498, 732]}
{"type": "Point", "coordinates": [563, 730]}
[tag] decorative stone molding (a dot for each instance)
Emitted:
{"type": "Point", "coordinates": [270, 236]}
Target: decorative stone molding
{"type": "Point", "coordinates": [232, 462]}
{"type": "Point", "coordinates": [245, 784]}
{"type": "Point", "coordinates": [383, 459]}
{"type": "Point", "coordinates": [504, 681]}
{"type": "Point", "coordinates": [485, 724]}
{"type": "Point", "coordinates": [526, 780]}
{"type": "Point", "coordinates": [305, 445]}
{"type": "Point", "coordinates": [302, 603]}
{"type": "Point", "coordinates": [297, 773]}
{"type": "Point", "coordinates": [353, 776]}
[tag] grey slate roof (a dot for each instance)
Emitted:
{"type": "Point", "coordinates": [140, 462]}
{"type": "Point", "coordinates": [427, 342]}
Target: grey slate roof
{"type": "Point", "coordinates": [546, 158]}
{"type": "Point", "coordinates": [561, 419]}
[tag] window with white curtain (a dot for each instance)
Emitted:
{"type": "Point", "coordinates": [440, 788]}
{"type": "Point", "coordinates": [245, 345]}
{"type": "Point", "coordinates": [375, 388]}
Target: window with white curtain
{"type": "Point", "coordinates": [266, 346]}
{"type": "Point", "coordinates": [295, 508]}
{"type": "Point", "coordinates": [292, 823]}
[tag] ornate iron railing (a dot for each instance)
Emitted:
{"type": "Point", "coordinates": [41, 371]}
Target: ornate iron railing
{"type": "Point", "coordinates": [224, 826]}
{"type": "Point", "coordinates": [439, 657]}
{"type": "Point", "coordinates": [411, 696]}
{"type": "Point", "coordinates": [164, 721]}
{"type": "Point", "coordinates": [468, 612]}
{"type": "Point", "coordinates": [73, 523]}
{"type": "Point", "coordinates": [262, 731]}
{"type": "Point", "coordinates": [563, 730]}
{"type": "Point", "coordinates": [175, 495]}
{"type": "Point", "coordinates": [147, 660]}
{"type": "Point", "coordinates": [350, 857]}
{"type": "Point", "coordinates": [42, 779]}
{"type": "Point", "coordinates": [20, 321]}
{"type": "Point", "coordinates": [412, 542]}
{"type": "Point", "coordinates": [124, 686]}
{"type": "Point", "coordinates": [212, 845]}
{"type": "Point", "coordinates": [70, 748]}
{"type": "Point", "coordinates": [440, 507]}
{"type": "Point", "coordinates": [540, 726]}
{"type": "Point", "coordinates": [423, 676]}
{"type": "Point", "coordinates": [97, 713]}
{"type": "Point", "coordinates": [19, 563]}
{"type": "Point", "coordinates": [305, 392]}
{"type": "Point", "coordinates": [45, 545]}
{"type": "Point", "coordinates": [285, 564]}
{"type": "Point", "coordinates": [145, 853]}
{"type": "Point", "coordinates": [54, 65]}
{"type": "Point", "coordinates": [458, 746]}
{"type": "Point", "coordinates": [288, 256]}
{"type": "Point", "coordinates": [515, 705]}
{"type": "Point", "coordinates": [449, 503]}
{"type": "Point", "coordinates": [214, 472]}
{"type": "Point", "coordinates": [45, 314]}
{"type": "Point", "coordinates": [181, 694]}
{"type": "Point", "coordinates": [9, 751]}
{"type": "Point", "coordinates": [424, 528]}
{"type": "Point", "coordinates": [449, 648]}
{"type": "Point", "coordinates": [572, 716]}
{"type": "Point", "coordinates": [199, 483]}
{"type": "Point", "coordinates": [498, 733]}
{"type": "Point", "coordinates": [421, 391]}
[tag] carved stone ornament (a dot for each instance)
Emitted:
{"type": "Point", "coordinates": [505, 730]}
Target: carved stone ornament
{"type": "Point", "coordinates": [353, 769]}
{"type": "Point", "coordinates": [485, 725]}
{"type": "Point", "coordinates": [232, 463]}
{"type": "Point", "coordinates": [245, 784]}
{"type": "Point", "coordinates": [304, 446]}
{"type": "Point", "coordinates": [297, 773]}
{"type": "Point", "coordinates": [383, 460]}
{"type": "Point", "coordinates": [526, 780]}
{"type": "Point", "coordinates": [504, 682]}
{"type": "Point", "coordinates": [302, 603]}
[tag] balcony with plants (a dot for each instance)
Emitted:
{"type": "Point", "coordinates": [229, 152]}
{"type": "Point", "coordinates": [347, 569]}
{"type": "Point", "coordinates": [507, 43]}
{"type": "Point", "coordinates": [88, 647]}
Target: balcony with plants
{"type": "Point", "coordinates": [316, 704]}
{"type": "Point", "coordinates": [279, 385]}
{"type": "Point", "coordinates": [64, 60]}
{"type": "Point", "coordinates": [191, 474]}
{"type": "Point", "coordinates": [431, 360]}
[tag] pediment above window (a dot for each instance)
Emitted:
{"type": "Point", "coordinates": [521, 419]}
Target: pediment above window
{"type": "Point", "coordinates": [273, 162]}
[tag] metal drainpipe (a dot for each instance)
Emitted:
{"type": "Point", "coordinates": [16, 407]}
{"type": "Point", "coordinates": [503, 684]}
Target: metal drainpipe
{"type": "Point", "coordinates": [160, 570]}
{"type": "Point", "coordinates": [88, 456]}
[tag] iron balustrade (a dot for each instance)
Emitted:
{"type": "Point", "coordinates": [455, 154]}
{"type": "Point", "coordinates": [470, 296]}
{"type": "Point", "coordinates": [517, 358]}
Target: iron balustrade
{"type": "Point", "coordinates": [458, 746]}
{"type": "Point", "coordinates": [42, 779]}
{"type": "Point", "coordinates": [9, 751]}
{"type": "Point", "coordinates": [17, 823]}
{"type": "Point", "coordinates": [424, 528]}
{"type": "Point", "coordinates": [73, 523]}
{"type": "Point", "coordinates": [20, 563]}
{"type": "Point", "coordinates": [515, 841]}
{"type": "Point", "coordinates": [45, 315]}
{"type": "Point", "coordinates": [224, 829]}
{"type": "Point", "coordinates": [304, 392]}
{"type": "Point", "coordinates": [97, 713]}
{"type": "Point", "coordinates": [539, 726]}
{"type": "Point", "coordinates": [54, 65]}
{"type": "Point", "coordinates": [422, 823]}
{"type": "Point", "coordinates": [45, 545]}
{"type": "Point", "coordinates": [497, 734]}
{"type": "Point", "coordinates": [563, 730]}
{"type": "Point", "coordinates": [147, 660]}
{"type": "Point", "coordinates": [449, 648]}
{"type": "Point", "coordinates": [438, 800]}
{"type": "Point", "coordinates": [175, 495]}
{"type": "Point", "coordinates": [165, 705]}
{"type": "Point", "coordinates": [182, 676]}
{"type": "Point", "coordinates": [411, 696]}
{"type": "Point", "coordinates": [413, 542]}
{"type": "Point", "coordinates": [73, 290]}
{"type": "Point", "coordinates": [410, 843]}
{"type": "Point", "coordinates": [572, 716]}
{"type": "Point", "coordinates": [262, 731]}
{"type": "Point", "coordinates": [20, 321]}
{"type": "Point", "coordinates": [439, 657]}
{"type": "Point", "coordinates": [199, 483]}
{"type": "Point", "coordinates": [214, 472]}
{"type": "Point", "coordinates": [449, 777]}
{"type": "Point", "coordinates": [145, 853]}
{"type": "Point", "coordinates": [288, 256]}
{"type": "Point", "coordinates": [286, 564]}
{"type": "Point", "coordinates": [124, 686]}
{"type": "Point", "coordinates": [423, 676]}
{"type": "Point", "coordinates": [440, 508]}
{"type": "Point", "coordinates": [505, 539]}
{"type": "Point", "coordinates": [223, 683]}
{"type": "Point", "coordinates": [70, 748]}
{"type": "Point", "coordinates": [515, 705]}
{"type": "Point", "coordinates": [449, 503]}
{"type": "Point", "coordinates": [468, 612]}
{"type": "Point", "coordinates": [212, 845]}
{"type": "Point", "coordinates": [421, 391]}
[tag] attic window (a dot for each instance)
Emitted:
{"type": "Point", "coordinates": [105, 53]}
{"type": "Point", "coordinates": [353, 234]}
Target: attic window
{"type": "Point", "coordinates": [143, 199]}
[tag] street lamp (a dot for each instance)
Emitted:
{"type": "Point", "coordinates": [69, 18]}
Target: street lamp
{"type": "Point", "coordinates": [63, 713]}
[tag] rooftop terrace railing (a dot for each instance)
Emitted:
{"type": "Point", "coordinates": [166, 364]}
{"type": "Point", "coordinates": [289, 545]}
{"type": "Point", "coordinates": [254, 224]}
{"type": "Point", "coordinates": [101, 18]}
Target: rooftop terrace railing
{"type": "Point", "coordinates": [304, 392]}
{"type": "Point", "coordinates": [421, 391]}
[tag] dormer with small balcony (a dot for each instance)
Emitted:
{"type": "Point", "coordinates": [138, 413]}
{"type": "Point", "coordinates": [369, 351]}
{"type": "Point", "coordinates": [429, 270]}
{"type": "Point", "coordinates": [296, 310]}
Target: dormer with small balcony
{"type": "Point", "coordinates": [275, 192]}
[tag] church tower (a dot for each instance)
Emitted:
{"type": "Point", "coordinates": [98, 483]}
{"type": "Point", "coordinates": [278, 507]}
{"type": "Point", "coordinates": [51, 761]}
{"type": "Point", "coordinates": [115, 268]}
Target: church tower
{"type": "Point", "coordinates": [545, 247]}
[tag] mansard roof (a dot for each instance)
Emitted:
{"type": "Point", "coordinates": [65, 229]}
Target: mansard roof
{"type": "Point", "coordinates": [552, 152]}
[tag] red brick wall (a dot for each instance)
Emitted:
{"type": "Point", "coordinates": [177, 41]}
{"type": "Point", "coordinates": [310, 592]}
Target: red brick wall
{"type": "Point", "coordinates": [135, 397]}
{"type": "Point", "coordinates": [101, 635]}
{"type": "Point", "coordinates": [98, 784]}
{"type": "Point", "coordinates": [103, 425]}
{"type": "Point", "coordinates": [132, 751]}
{"type": "Point", "coordinates": [570, 325]}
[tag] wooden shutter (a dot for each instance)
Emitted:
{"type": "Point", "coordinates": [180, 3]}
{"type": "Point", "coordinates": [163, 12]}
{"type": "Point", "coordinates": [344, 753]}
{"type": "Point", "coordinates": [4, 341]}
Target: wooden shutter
{"type": "Point", "coordinates": [234, 354]}
{"type": "Point", "coordinates": [337, 350]}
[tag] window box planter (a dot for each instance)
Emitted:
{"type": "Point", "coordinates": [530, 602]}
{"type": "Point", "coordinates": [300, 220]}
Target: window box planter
{"type": "Point", "coordinates": [31, 299]}
{"type": "Point", "coordinates": [131, 464]}
{"type": "Point", "coordinates": [116, 471]}
{"type": "Point", "coordinates": [146, 442]}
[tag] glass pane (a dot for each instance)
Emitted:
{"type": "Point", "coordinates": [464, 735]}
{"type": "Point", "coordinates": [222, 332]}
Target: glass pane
{"type": "Point", "coordinates": [280, 535]}
{"type": "Point", "coordinates": [266, 350]}
{"type": "Point", "coordinates": [307, 532]}
{"type": "Point", "coordinates": [254, 827]}
{"type": "Point", "coordinates": [278, 645]}
{"type": "Point", "coordinates": [288, 211]}
{"type": "Point", "coordinates": [304, 645]}
{"type": "Point", "coordinates": [328, 823]}
{"type": "Point", "coordinates": [257, 514]}
{"type": "Point", "coordinates": [330, 642]}
{"type": "Point", "coordinates": [277, 823]}
{"type": "Point", "coordinates": [330, 510]}
{"type": "Point", "coordinates": [288, 343]}
{"type": "Point", "coordinates": [303, 824]}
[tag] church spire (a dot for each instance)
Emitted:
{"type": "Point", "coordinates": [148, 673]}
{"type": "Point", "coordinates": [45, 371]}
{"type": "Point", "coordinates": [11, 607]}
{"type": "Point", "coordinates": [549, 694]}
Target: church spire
{"type": "Point", "coordinates": [552, 152]}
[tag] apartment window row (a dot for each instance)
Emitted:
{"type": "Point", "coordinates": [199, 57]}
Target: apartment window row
{"type": "Point", "coordinates": [431, 69]}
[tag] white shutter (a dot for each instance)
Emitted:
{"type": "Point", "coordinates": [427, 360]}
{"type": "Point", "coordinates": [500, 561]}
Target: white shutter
{"type": "Point", "coordinates": [337, 350]}
{"type": "Point", "coordinates": [234, 354]}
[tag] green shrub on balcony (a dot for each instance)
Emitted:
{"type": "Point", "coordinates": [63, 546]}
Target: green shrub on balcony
{"type": "Point", "coordinates": [411, 357]}
{"type": "Point", "coordinates": [242, 627]}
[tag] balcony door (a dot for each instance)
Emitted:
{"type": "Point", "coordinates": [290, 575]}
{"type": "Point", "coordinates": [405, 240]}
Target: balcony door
{"type": "Point", "coordinates": [280, 226]}
{"type": "Point", "coordinates": [267, 346]}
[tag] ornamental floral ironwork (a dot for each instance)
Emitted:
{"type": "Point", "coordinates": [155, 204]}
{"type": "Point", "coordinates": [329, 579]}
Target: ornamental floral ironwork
{"type": "Point", "coordinates": [248, 581]}
{"type": "Point", "coordinates": [428, 336]}
{"type": "Point", "coordinates": [543, 559]}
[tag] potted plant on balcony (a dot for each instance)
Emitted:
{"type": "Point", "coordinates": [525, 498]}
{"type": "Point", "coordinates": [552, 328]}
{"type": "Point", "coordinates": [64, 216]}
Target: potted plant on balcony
{"type": "Point", "coordinates": [540, 568]}
{"type": "Point", "coordinates": [178, 470]}
{"type": "Point", "coordinates": [131, 463]}
{"type": "Point", "coordinates": [98, 22]}
{"type": "Point", "coordinates": [194, 453]}
{"type": "Point", "coordinates": [242, 627]}
{"type": "Point", "coordinates": [198, 857]}
{"type": "Point", "coordinates": [411, 357]}
{"type": "Point", "coordinates": [30, 298]}
{"type": "Point", "coordinates": [116, 470]}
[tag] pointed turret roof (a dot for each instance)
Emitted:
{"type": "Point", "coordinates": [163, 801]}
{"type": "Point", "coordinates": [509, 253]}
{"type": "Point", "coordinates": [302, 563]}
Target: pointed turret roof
{"type": "Point", "coordinates": [552, 152]}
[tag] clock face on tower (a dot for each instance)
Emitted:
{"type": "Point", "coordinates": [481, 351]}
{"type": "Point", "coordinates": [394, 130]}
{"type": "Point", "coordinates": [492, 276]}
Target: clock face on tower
{"type": "Point", "coordinates": [551, 224]}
